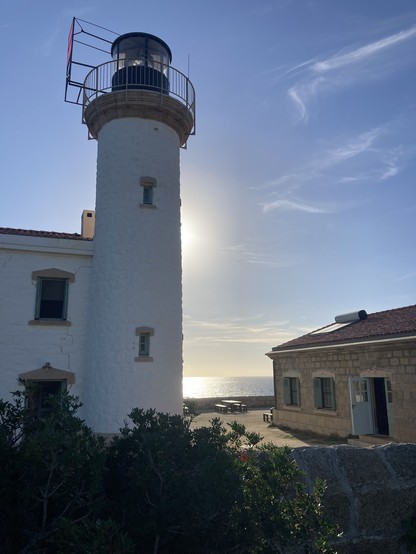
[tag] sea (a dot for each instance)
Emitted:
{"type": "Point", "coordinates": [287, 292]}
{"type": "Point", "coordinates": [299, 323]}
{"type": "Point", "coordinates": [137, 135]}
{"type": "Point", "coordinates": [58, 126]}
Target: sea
{"type": "Point", "coordinates": [213, 387]}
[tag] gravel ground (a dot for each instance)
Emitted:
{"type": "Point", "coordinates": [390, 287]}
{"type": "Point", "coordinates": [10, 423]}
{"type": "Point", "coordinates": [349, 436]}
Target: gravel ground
{"type": "Point", "coordinates": [253, 420]}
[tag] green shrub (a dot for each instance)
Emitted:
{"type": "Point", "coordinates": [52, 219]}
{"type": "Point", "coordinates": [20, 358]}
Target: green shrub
{"type": "Point", "coordinates": [159, 487]}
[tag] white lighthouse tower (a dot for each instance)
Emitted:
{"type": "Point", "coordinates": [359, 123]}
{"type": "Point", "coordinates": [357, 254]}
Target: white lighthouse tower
{"type": "Point", "coordinates": [141, 111]}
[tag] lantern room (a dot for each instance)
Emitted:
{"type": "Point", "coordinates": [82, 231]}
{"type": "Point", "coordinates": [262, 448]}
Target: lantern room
{"type": "Point", "coordinates": [141, 62]}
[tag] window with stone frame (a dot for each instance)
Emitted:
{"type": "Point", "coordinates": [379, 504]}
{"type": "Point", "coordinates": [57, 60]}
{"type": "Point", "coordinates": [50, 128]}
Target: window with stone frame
{"type": "Point", "coordinates": [51, 298]}
{"type": "Point", "coordinates": [148, 185]}
{"type": "Point", "coordinates": [324, 393]}
{"type": "Point", "coordinates": [52, 289]}
{"type": "Point", "coordinates": [291, 391]}
{"type": "Point", "coordinates": [144, 335]}
{"type": "Point", "coordinates": [41, 396]}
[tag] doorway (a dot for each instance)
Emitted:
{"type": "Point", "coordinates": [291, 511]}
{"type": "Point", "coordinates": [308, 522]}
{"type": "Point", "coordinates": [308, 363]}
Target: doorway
{"type": "Point", "coordinates": [371, 406]}
{"type": "Point", "coordinates": [41, 396]}
{"type": "Point", "coordinates": [361, 412]}
{"type": "Point", "coordinates": [380, 407]}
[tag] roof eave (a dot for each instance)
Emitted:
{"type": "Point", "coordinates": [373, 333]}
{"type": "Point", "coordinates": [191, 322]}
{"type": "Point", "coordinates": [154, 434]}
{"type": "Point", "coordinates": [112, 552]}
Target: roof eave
{"type": "Point", "coordinates": [358, 342]}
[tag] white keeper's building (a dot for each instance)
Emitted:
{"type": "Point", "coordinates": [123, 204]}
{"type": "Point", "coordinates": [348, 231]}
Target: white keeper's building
{"type": "Point", "coordinates": [100, 312]}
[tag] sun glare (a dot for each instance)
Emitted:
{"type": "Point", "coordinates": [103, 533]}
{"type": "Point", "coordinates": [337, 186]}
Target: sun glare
{"type": "Point", "coordinates": [188, 239]}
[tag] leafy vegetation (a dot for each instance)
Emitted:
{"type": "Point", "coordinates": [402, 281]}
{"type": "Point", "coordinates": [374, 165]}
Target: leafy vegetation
{"type": "Point", "coordinates": [158, 487]}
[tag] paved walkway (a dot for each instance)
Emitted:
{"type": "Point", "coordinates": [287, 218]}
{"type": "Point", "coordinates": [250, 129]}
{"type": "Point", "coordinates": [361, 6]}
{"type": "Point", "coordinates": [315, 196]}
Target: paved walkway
{"type": "Point", "coordinates": [253, 420]}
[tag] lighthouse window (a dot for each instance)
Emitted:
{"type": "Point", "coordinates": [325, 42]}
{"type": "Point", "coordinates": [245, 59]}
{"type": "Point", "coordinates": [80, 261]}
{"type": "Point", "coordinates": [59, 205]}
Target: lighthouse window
{"type": "Point", "coordinates": [147, 195]}
{"type": "Point", "coordinates": [144, 335]}
{"type": "Point", "coordinates": [144, 344]}
{"type": "Point", "coordinates": [148, 184]}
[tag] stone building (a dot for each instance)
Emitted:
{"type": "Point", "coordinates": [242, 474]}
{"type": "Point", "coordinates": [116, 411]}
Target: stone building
{"type": "Point", "coordinates": [356, 376]}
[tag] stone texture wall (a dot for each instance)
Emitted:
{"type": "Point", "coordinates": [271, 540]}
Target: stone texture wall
{"type": "Point", "coordinates": [395, 361]}
{"type": "Point", "coordinates": [370, 493]}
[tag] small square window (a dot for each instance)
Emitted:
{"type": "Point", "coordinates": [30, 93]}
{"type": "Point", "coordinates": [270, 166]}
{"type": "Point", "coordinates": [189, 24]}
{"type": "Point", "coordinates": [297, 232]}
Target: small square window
{"type": "Point", "coordinates": [147, 195]}
{"type": "Point", "coordinates": [144, 344]}
{"type": "Point", "coordinates": [52, 295]}
{"type": "Point", "coordinates": [143, 335]}
{"type": "Point", "coordinates": [148, 185]}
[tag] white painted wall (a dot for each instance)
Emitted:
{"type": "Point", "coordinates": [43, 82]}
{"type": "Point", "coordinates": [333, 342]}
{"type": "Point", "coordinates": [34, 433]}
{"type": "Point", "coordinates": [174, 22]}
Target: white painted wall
{"type": "Point", "coordinates": [25, 347]}
{"type": "Point", "coordinates": [136, 275]}
{"type": "Point", "coordinates": [128, 277]}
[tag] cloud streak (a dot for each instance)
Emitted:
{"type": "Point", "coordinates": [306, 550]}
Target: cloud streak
{"type": "Point", "coordinates": [252, 330]}
{"type": "Point", "coordinates": [362, 158]}
{"type": "Point", "coordinates": [339, 70]}
{"type": "Point", "coordinates": [253, 255]}
{"type": "Point", "coordinates": [289, 205]}
{"type": "Point", "coordinates": [362, 54]}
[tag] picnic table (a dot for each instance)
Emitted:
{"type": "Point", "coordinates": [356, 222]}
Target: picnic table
{"type": "Point", "coordinates": [235, 405]}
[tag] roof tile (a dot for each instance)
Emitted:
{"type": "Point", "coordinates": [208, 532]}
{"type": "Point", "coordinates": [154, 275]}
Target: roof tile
{"type": "Point", "coordinates": [400, 322]}
{"type": "Point", "coordinates": [43, 234]}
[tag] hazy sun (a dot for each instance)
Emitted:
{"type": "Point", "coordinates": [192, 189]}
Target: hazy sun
{"type": "Point", "coordinates": [188, 238]}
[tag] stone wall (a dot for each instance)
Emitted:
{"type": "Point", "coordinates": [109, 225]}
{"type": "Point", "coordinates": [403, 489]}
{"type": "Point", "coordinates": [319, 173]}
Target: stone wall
{"type": "Point", "coordinates": [370, 493]}
{"type": "Point", "coordinates": [204, 404]}
{"type": "Point", "coordinates": [392, 360]}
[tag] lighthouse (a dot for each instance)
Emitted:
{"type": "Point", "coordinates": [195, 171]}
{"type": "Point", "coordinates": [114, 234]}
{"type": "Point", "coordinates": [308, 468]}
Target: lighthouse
{"type": "Point", "coordinates": [141, 111]}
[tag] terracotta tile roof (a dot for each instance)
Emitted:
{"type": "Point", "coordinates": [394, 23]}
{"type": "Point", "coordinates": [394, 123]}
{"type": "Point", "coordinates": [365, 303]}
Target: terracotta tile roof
{"type": "Point", "coordinates": [400, 322]}
{"type": "Point", "coordinates": [43, 234]}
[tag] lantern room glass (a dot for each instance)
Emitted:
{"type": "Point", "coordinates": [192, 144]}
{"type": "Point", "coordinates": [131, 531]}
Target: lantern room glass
{"type": "Point", "coordinates": [136, 49]}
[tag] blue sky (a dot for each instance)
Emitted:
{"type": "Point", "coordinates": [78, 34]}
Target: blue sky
{"type": "Point", "coordinates": [298, 190]}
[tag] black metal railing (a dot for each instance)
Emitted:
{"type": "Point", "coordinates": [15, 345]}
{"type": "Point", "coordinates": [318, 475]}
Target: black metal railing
{"type": "Point", "coordinates": [115, 77]}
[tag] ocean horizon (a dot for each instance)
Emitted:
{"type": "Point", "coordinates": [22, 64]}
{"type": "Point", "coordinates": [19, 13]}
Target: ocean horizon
{"type": "Point", "coordinates": [214, 387]}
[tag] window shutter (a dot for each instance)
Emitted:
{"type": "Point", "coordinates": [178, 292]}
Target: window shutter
{"type": "Point", "coordinates": [333, 402]}
{"type": "Point", "coordinates": [298, 388]}
{"type": "Point", "coordinates": [317, 391]}
{"type": "Point", "coordinates": [286, 390]}
{"type": "Point", "coordinates": [38, 297]}
{"type": "Point", "coordinates": [65, 300]}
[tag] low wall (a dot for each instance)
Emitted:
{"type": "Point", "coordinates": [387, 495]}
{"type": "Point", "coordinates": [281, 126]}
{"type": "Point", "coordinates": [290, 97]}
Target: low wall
{"type": "Point", "coordinates": [203, 404]}
{"type": "Point", "coordinates": [370, 493]}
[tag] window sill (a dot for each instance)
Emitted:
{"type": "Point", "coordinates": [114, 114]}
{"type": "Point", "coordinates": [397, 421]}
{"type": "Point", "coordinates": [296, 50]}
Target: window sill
{"type": "Point", "coordinates": [148, 206]}
{"type": "Point", "coordinates": [143, 359]}
{"type": "Point", "coordinates": [50, 322]}
{"type": "Point", "coordinates": [325, 412]}
{"type": "Point", "coordinates": [291, 407]}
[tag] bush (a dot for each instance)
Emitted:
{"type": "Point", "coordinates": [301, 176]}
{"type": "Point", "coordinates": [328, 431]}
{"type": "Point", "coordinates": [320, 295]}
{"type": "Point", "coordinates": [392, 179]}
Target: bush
{"type": "Point", "coordinates": [54, 472]}
{"type": "Point", "coordinates": [158, 487]}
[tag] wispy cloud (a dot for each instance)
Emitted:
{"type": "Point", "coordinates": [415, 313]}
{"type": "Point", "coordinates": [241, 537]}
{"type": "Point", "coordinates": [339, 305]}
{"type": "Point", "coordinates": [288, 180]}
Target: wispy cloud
{"type": "Point", "coordinates": [296, 96]}
{"type": "Point", "coordinates": [293, 206]}
{"type": "Point", "coordinates": [357, 159]}
{"type": "Point", "coordinates": [341, 69]}
{"type": "Point", "coordinates": [367, 157]}
{"type": "Point", "coordinates": [362, 54]}
{"type": "Point", "coordinates": [407, 276]}
{"type": "Point", "coordinates": [351, 148]}
{"type": "Point", "coordinates": [254, 330]}
{"type": "Point", "coordinates": [252, 254]}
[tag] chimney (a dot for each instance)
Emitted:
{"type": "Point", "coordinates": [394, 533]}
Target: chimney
{"type": "Point", "coordinates": [87, 224]}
